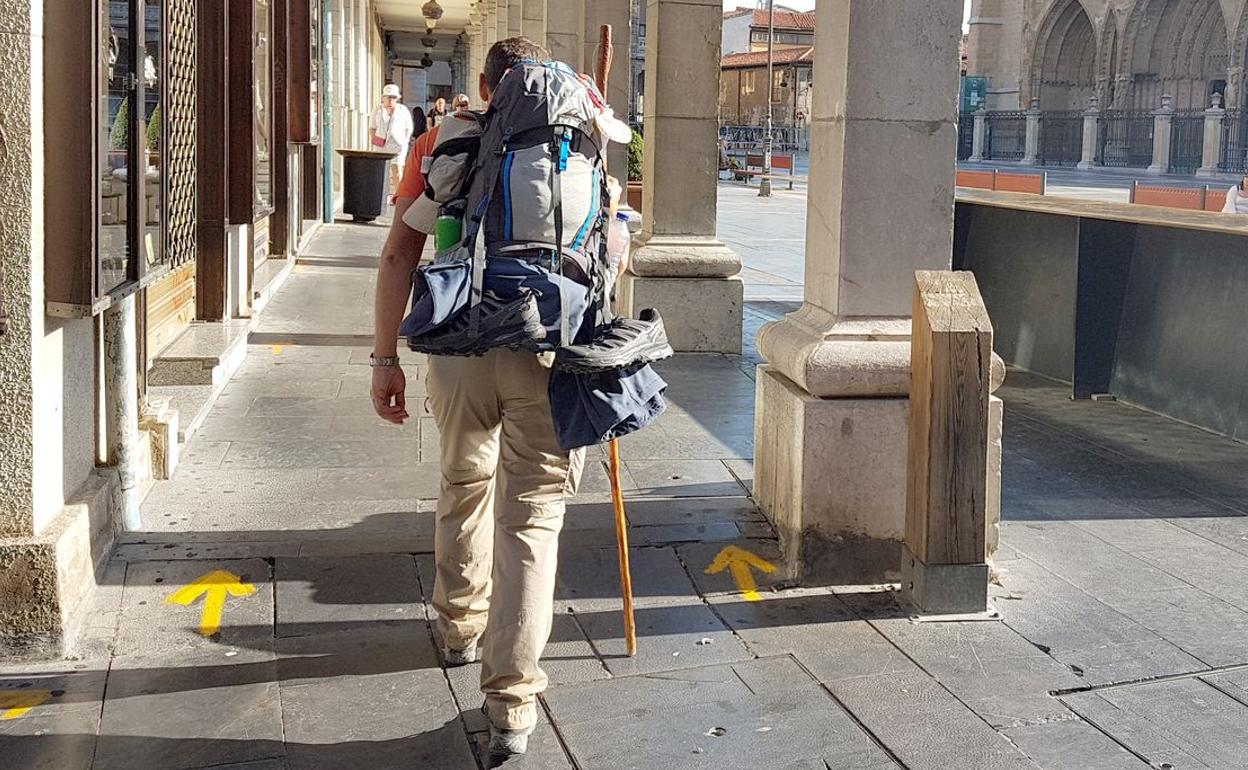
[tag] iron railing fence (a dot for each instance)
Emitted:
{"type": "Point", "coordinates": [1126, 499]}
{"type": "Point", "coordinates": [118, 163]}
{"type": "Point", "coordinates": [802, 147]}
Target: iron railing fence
{"type": "Point", "coordinates": [1061, 138]}
{"type": "Point", "coordinates": [966, 135]}
{"type": "Point", "coordinates": [783, 138]}
{"type": "Point", "coordinates": [1005, 135]}
{"type": "Point", "coordinates": [1126, 139]}
{"type": "Point", "coordinates": [1233, 157]}
{"type": "Point", "coordinates": [1187, 140]}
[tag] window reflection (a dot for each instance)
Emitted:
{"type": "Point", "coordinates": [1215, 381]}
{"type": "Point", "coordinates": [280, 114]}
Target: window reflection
{"type": "Point", "coordinates": [263, 94]}
{"type": "Point", "coordinates": [153, 121]}
{"type": "Point", "coordinates": [116, 133]}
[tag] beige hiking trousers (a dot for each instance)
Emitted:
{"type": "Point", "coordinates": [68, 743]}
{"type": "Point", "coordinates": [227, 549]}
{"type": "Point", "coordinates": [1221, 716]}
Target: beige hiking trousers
{"type": "Point", "coordinates": [504, 484]}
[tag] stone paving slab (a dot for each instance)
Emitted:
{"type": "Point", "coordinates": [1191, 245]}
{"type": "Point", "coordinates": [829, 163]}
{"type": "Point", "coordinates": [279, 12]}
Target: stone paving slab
{"type": "Point", "coordinates": [988, 666]}
{"type": "Point", "coordinates": [1072, 745]}
{"type": "Point", "coordinates": [317, 594]}
{"type": "Point", "coordinates": [369, 698]}
{"type": "Point", "coordinates": [1182, 723]}
{"type": "Point", "coordinates": [1101, 643]}
{"type": "Point", "coordinates": [589, 578]}
{"type": "Point", "coordinates": [925, 726]}
{"type": "Point", "coordinates": [195, 709]}
{"type": "Point", "coordinates": [668, 637]}
{"type": "Point", "coordinates": [150, 625]}
{"type": "Point", "coordinates": [711, 718]}
{"type": "Point", "coordinates": [683, 478]}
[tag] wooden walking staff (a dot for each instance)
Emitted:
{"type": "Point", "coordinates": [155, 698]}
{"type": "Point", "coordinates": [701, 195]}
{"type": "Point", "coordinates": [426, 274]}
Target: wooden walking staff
{"type": "Point", "coordinates": [602, 69]}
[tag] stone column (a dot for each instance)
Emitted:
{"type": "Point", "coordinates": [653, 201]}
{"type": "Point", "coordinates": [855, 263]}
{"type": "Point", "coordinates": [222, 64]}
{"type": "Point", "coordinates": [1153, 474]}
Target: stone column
{"type": "Point", "coordinates": [565, 30]}
{"type": "Point", "coordinates": [535, 20]}
{"type": "Point", "coordinates": [502, 18]}
{"type": "Point", "coordinates": [121, 404]}
{"type": "Point", "coordinates": [1211, 151]}
{"type": "Point", "coordinates": [489, 25]}
{"type": "Point", "coordinates": [619, 90]}
{"type": "Point", "coordinates": [1031, 143]}
{"type": "Point", "coordinates": [1234, 87]}
{"type": "Point", "coordinates": [979, 136]}
{"type": "Point", "coordinates": [678, 266]}
{"type": "Point", "coordinates": [1091, 134]}
{"type": "Point", "coordinates": [515, 18]}
{"type": "Point", "coordinates": [831, 415]}
{"type": "Point", "coordinates": [1163, 121]}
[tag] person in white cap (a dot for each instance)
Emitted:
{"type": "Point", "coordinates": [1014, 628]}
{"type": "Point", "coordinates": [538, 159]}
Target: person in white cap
{"type": "Point", "coordinates": [391, 128]}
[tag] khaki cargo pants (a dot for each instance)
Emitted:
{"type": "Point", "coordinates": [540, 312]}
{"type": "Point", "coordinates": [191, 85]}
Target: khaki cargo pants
{"type": "Point", "coordinates": [504, 484]}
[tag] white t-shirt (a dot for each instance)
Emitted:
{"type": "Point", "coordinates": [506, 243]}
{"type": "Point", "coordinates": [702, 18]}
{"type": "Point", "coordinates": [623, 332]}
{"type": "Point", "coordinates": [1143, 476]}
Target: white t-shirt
{"type": "Point", "coordinates": [1236, 202]}
{"type": "Point", "coordinates": [396, 127]}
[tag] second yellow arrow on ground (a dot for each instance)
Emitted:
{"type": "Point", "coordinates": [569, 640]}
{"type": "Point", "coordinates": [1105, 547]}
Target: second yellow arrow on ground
{"type": "Point", "coordinates": [214, 587]}
{"type": "Point", "coordinates": [741, 565]}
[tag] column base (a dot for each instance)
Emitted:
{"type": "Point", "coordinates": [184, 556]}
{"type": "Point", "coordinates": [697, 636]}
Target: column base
{"type": "Point", "coordinates": [1155, 170]}
{"type": "Point", "coordinates": [830, 474]}
{"type": "Point", "coordinates": [49, 578]}
{"type": "Point", "coordinates": [944, 589]}
{"type": "Point", "coordinates": [702, 315]}
{"type": "Point", "coordinates": [1207, 173]}
{"type": "Point", "coordinates": [1085, 165]}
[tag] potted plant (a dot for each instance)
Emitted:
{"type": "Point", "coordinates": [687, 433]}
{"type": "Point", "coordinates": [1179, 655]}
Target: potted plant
{"type": "Point", "coordinates": [118, 137]}
{"type": "Point", "coordinates": [635, 152]}
{"type": "Point", "coordinates": [153, 138]}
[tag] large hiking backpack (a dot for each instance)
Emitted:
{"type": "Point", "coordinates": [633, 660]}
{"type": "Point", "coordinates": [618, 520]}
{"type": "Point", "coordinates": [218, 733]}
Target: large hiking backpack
{"type": "Point", "coordinates": [527, 180]}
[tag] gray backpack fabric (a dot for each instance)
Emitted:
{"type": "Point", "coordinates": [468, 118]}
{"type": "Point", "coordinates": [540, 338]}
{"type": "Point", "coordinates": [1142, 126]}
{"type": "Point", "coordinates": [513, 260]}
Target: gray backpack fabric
{"type": "Point", "coordinates": [535, 186]}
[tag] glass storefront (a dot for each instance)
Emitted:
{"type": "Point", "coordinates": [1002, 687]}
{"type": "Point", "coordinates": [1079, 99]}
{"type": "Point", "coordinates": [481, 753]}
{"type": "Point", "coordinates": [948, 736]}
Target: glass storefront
{"type": "Point", "coordinates": [262, 85]}
{"type": "Point", "coordinates": [115, 136]}
{"type": "Point", "coordinates": [130, 130]}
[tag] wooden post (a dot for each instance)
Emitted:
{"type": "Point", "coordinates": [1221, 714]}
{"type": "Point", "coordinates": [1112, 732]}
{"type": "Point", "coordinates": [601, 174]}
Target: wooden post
{"type": "Point", "coordinates": [944, 568]}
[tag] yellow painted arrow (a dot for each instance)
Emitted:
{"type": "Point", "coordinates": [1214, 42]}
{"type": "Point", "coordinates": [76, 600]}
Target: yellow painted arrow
{"type": "Point", "coordinates": [15, 703]}
{"type": "Point", "coordinates": [741, 564]}
{"type": "Point", "coordinates": [214, 587]}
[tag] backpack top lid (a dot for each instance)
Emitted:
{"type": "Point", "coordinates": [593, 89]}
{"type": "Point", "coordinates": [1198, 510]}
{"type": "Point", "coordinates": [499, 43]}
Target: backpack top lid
{"type": "Point", "coordinates": [535, 93]}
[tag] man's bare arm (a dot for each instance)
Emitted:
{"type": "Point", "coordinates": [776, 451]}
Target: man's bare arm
{"type": "Point", "coordinates": [394, 285]}
{"type": "Point", "coordinates": [399, 258]}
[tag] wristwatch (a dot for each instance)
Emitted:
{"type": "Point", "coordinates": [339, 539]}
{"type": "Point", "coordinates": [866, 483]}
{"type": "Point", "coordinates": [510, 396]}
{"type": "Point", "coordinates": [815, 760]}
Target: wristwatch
{"type": "Point", "coordinates": [376, 361]}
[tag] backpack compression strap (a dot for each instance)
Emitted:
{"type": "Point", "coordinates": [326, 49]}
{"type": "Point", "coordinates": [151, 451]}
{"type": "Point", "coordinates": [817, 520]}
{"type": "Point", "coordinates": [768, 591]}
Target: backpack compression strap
{"type": "Point", "coordinates": [559, 153]}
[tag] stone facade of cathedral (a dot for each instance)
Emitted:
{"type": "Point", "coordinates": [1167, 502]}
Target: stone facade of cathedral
{"type": "Point", "coordinates": [1127, 53]}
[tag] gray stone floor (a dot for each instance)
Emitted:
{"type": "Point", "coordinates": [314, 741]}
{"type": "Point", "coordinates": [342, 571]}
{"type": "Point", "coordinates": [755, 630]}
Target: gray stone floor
{"type": "Point", "coordinates": [1123, 588]}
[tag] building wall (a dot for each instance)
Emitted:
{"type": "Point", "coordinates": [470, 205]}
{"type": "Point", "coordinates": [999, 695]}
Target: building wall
{"type": "Point", "coordinates": [736, 35]}
{"type": "Point", "coordinates": [743, 96]}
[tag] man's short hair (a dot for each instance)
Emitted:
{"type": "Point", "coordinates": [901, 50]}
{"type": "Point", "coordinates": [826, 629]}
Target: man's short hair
{"type": "Point", "coordinates": [506, 54]}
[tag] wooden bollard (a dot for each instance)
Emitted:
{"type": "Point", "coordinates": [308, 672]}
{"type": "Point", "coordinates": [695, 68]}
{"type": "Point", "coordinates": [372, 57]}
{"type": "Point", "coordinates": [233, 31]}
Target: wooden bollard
{"type": "Point", "coordinates": [944, 569]}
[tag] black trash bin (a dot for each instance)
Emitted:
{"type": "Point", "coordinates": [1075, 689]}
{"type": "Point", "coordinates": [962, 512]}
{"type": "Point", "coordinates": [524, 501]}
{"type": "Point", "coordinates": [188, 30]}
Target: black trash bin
{"type": "Point", "coordinates": [364, 183]}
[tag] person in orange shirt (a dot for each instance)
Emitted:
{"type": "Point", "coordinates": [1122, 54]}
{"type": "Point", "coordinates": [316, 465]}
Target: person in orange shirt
{"type": "Point", "coordinates": [505, 479]}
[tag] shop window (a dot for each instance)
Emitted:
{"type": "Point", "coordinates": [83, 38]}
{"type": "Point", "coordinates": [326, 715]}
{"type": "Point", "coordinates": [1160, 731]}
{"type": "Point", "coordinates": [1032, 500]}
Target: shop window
{"type": "Point", "coordinates": [105, 204]}
{"type": "Point", "coordinates": [262, 116]}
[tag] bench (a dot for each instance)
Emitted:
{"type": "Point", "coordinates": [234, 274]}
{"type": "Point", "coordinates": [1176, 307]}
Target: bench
{"type": "Point", "coordinates": [754, 167]}
{"type": "Point", "coordinates": [1002, 181]}
{"type": "Point", "coordinates": [1189, 198]}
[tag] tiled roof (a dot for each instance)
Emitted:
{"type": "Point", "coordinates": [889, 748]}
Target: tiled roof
{"type": "Point", "coordinates": [759, 58]}
{"type": "Point", "coordinates": [786, 20]}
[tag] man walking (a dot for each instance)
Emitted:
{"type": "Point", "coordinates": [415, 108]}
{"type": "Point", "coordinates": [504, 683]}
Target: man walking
{"type": "Point", "coordinates": [504, 478]}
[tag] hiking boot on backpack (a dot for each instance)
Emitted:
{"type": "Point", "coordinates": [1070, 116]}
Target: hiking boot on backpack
{"type": "Point", "coordinates": [623, 343]}
{"type": "Point", "coordinates": [501, 323]}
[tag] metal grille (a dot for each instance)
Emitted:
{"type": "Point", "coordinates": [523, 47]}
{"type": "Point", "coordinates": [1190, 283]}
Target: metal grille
{"type": "Point", "coordinates": [1187, 140]}
{"type": "Point", "coordinates": [180, 131]}
{"type": "Point", "coordinates": [966, 135]}
{"type": "Point", "coordinates": [1061, 138]}
{"type": "Point", "coordinates": [1126, 139]}
{"type": "Point", "coordinates": [1234, 155]}
{"type": "Point", "coordinates": [1005, 137]}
